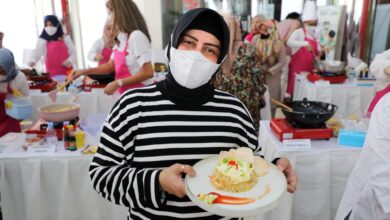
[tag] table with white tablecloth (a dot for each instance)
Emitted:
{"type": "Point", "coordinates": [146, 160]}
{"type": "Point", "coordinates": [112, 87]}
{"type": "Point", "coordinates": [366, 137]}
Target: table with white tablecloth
{"type": "Point", "coordinates": [322, 172]}
{"type": "Point", "coordinates": [91, 102]}
{"type": "Point", "coordinates": [53, 186]}
{"type": "Point", "coordinates": [350, 97]}
{"type": "Point", "coordinates": [57, 186]}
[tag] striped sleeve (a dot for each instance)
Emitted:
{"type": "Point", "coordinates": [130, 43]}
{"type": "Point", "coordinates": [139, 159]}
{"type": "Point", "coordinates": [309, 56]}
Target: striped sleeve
{"type": "Point", "coordinates": [115, 179]}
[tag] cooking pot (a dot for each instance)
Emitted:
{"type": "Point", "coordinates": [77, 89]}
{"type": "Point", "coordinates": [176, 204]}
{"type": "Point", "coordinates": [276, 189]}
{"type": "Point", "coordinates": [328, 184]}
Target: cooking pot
{"type": "Point", "coordinates": [331, 67]}
{"type": "Point", "coordinates": [311, 114]}
{"type": "Point", "coordinates": [59, 112]}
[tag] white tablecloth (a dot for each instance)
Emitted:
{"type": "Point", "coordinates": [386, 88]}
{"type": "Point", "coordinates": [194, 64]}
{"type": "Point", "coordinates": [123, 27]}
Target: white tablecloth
{"type": "Point", "coordinates": [58, 186]}
{"type": "Point", "coordinates": [91, 102]}
{"type": "Point", "coordinates": [351, 98]}
{"type": "Point", "coordinates": [322, 173]}
{"type": "Point", "coordinates": [51, 187]}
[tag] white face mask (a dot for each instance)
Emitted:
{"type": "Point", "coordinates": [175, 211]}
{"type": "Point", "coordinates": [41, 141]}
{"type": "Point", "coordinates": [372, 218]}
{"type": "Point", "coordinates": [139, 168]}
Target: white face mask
{"type": "Point", "coordinates": [312, 29]}
{"type": "Point", "coordinates": [50, 30]}
{"type": "Point", "coordinates": [190, 68]}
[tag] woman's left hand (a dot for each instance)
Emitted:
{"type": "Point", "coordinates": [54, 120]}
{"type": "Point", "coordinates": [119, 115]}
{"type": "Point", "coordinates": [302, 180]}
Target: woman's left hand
{"type": "Point", "coordinates": [111, 88]}
{"type": "Point", "coordinates": [284, 165]}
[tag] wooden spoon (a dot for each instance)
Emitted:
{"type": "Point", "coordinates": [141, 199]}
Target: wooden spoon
{"type": "Point", "coordinates": [53, 93]}
{"type": "Point", "coordinates": [282, 105]}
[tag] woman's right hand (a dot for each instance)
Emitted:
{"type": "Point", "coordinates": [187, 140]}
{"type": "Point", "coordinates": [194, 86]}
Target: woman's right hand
{"type": "Point", "coordinates": [98, 57]}
{"type": "Point", "coordinates": [79, 73]}
{"type": "Point", "coordinates": [309, 47]}
{"type": "Point", "coordinates": [387, 70]}
{"type": "Point", "coordinates": [171, 180]}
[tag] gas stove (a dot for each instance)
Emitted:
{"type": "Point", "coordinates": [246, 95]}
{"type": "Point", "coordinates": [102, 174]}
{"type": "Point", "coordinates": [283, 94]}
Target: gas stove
{"type": "Point", "coordinates": [39, 128]}
{"type": "Point", "coordinates": [333, 78]}
{"type": "Point", "coordinates": [285, 130]}
{"type": "Point", "coordinates": [44, 83]}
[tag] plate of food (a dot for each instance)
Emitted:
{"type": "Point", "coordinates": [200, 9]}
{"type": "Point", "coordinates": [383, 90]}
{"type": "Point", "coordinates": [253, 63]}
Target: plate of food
{"type": "Point", "coordinates": [236, 183]}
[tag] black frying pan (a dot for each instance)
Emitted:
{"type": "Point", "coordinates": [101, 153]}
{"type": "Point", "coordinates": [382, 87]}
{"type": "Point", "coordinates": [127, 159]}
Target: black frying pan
{"type": "Point", "coordinates": [309, 113]}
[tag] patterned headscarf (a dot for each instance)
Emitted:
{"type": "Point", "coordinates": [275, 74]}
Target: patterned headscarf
{"type": "Point", "coordinates": [268, 49]}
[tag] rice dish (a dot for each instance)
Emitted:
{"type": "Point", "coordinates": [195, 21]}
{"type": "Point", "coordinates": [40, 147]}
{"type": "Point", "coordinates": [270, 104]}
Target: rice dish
{"type": "Point", "coordinates": [238, 170]}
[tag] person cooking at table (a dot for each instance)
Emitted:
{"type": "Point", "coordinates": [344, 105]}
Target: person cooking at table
{"type": "Point", "coordinates": [303, 44]}
{"type": "Point", "coordinates": [57, 48]}
{"type": "Point", "coordinates": [131, 60]}
{"type": "Point", "coordinates": [380, 68]}
{"type": "Point", "coordinates": [102, 49]}
{"type": "Point", "coordinates": [155, 134]}
{"type": "Point", "coordinates": [10, 79]}
{"type": "Point", "coordinates": [367, 194]}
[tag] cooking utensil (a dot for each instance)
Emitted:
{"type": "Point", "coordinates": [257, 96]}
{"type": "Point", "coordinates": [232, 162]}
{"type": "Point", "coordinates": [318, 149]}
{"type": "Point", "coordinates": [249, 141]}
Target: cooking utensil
{"type": "Point", "coordinates": [53, 93]}
{"type": "Point", "coordinates": [281, 105]}
{"type": "Point", "coordinates": [333, 66]}
{"type": "Point", "coordinates": [317, 62]}
{"type": "Point", "coordinates": [59, 112]}
{"type": "Point", "coordinates": [309, 113]}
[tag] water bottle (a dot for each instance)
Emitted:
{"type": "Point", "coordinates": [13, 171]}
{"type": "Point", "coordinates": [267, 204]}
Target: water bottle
{"type": "Point", "coordinates": [51, 135]}
{"type": "Point", "coordinates": [352, 75]}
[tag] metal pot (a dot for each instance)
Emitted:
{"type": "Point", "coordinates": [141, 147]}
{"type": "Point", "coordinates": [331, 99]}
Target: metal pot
{"type": "Point", "coordinates": [333, 67]}
{"type": "Point", "coordinates": [59, 112]}
{"type": "Point", "coordinates": [309, 113]}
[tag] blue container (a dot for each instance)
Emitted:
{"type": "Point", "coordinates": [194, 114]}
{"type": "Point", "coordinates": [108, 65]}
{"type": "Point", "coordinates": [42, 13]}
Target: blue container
{"type": "Point", "coordinates": [351, 138]}
{"type": "Point", "coordinates": [18, 108]}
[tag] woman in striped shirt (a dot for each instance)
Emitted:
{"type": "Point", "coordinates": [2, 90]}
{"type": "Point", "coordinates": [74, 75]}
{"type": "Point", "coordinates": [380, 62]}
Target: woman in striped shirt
{"type": "Point", "coordinates": [155, 134]}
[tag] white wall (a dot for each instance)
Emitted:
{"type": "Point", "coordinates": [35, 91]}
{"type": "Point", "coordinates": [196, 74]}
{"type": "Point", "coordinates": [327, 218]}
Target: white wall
{"type": "Point", "coordinates": [19, 26]}
{"type": "Point", "coordinates": [151, 10]}
{"type": "Point", "coordinates": [88, 20]}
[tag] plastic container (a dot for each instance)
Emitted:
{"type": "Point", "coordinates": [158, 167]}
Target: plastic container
{"type": "Point", "coordinates": [93, 124]}
{"type": "Point", "coordinates": [18, 107]}
{"type": "Point", "coordinates": [51, 134]}
{"type": "Point", "coordinates": [26, 125]}
{"type": "Point", "coordinates": [352, 138]}
{"type": "Point", "coordinates": [80, 139]}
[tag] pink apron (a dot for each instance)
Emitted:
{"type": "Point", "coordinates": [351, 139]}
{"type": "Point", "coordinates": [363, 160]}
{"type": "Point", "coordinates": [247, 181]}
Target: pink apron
{"type": "Point", "coordinates": [106, 53]}
{"type": "Point", "coordinates": [377, 97]}
{"type": "Point", "coordinates": [121, 69]}
{"type": "Point", "coordinates": [7, 123]}
{"type": "Point", "coordinates": [56, 54]}
{"type": "Point", "coordinates": [302, 60]}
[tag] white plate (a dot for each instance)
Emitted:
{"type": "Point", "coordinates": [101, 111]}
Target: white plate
{"type": "Point", "coordinates": [201, 184]}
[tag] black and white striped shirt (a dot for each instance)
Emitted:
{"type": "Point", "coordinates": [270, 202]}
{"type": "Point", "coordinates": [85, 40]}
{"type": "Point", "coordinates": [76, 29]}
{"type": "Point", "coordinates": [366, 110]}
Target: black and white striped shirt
{"type": "Point", "coordinates": [146, 133]}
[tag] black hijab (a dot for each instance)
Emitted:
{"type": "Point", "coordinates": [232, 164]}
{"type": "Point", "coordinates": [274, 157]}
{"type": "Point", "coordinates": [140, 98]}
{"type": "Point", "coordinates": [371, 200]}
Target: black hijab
{"type": "Point", "coordinates": [202, 19]}
{"type": "Point", "coordinates": [56, 23]}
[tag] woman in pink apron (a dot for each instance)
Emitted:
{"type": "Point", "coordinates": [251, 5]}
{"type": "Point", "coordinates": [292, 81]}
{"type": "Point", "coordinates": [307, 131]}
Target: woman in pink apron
{"type": "Point", "coordinates": [302, 60]}
{"type": "Point", "coordinates": [131, 59]}
{"type": "Point", "coordinates": [303, 45]}
{"type": "Point", "coordinates": [101, 52]}
{"type": "Point", "coordinates": [9, 75]}
{"type": "Point", "coordinates": [59, 48]}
